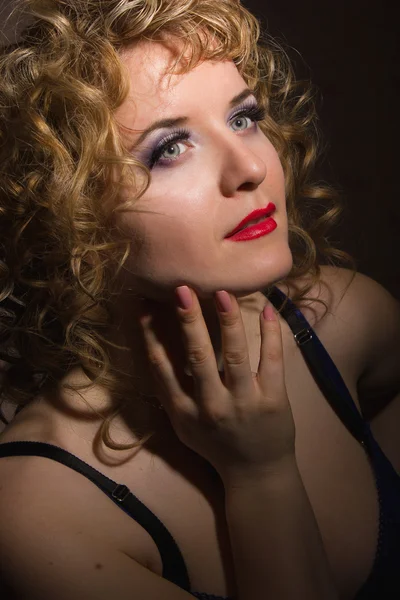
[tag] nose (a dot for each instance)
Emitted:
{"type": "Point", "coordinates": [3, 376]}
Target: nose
{"type": "Point", "coordinates": [242, 168]}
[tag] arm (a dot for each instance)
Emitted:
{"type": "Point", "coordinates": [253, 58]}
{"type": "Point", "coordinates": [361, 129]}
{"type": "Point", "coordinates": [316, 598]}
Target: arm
{"type": "Point", "coordinates": [381, 316]}
{"type": "Point", "coordinates": [72, 567]}
{"type": "Point", "coordinates": [366, 315]}
{"type": "Point", "coordinates": [49, 550]}
{"type": "Point", "coordinates": [276, 544]}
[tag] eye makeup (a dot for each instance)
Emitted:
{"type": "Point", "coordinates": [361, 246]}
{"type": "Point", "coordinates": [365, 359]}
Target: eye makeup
{"type": "Point", "coordinates": [251, 110]}
{"type": "Point", "coordinates": [153, 157]}
{"type": "Point", "coordinates": [179, 135]}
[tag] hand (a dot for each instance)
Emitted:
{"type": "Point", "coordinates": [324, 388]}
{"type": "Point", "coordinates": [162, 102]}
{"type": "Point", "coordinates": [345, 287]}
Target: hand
{"type": "Point", "coordinates": [244, 424]}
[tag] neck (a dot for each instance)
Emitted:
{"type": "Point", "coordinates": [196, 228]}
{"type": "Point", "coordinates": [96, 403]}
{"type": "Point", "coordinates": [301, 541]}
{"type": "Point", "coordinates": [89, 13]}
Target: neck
{"type": "Point", "coordinates": [127, 332]}
{"type": "Point", "coordinates": [141, 413]}
{"type": "Point", "coordinates": [137, 416]}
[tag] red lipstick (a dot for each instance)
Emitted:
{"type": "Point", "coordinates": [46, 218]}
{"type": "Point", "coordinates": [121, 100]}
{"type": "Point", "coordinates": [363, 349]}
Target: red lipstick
{"type": "Point", "coordinates": [267, 225]}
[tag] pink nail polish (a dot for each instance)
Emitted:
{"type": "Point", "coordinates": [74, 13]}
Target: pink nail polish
{"type": "Point", "coordinates": [268, 313]}
{"type": "Point", "coordinates": [223, 301]}
{"type": "Point", "coordinates": [184, 297]}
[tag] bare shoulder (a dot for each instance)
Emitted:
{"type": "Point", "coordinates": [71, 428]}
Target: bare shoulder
{"type": "Point", "coordinates": [49, 549]}
{"type": "Point", "coordinates": [338, 291]}
{"type": "Point", "coordinates": [363, 319]}
{"type": "Point", "coordinates": [331, 306]}
{"type": "Point", "coordinates": [354, 292]}
{"type": "Point", "coordinates": [350, 298]}
{"type": "Point", "coordinates": [374, 315]}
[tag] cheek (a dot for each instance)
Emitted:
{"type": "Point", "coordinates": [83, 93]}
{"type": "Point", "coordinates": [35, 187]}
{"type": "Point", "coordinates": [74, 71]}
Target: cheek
{"type": "Point", "coordinates": [275, 179]}
{"type": "Point", "coordinates": [168, 235]}
{"type": "Point", "coordinates": [179, 204]}
{"type": "Point", "coordinates": [178, 187]}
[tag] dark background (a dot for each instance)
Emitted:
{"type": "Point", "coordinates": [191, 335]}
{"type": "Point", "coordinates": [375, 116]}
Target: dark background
{"type": "Point", "coordinates": [349, 50]}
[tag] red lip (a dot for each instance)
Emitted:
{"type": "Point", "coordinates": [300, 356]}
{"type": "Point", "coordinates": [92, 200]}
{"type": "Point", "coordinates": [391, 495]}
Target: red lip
{"type": "Point", "coordinates": [256, 214]}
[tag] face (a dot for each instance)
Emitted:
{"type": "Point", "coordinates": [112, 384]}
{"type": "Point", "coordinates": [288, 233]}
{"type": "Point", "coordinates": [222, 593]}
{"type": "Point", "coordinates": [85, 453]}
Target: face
{"type": "Point", "coordinates": [210, 167]}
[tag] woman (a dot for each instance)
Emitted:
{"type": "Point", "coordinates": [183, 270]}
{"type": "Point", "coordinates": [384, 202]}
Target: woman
{"type": "Point", "coordinates": [156, 202]}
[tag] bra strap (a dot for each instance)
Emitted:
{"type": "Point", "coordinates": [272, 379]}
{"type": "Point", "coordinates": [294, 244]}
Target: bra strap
{"type": "Point", "coordinates": [174, 568]}
{"type": "Point", "coordinates": [322, 367]}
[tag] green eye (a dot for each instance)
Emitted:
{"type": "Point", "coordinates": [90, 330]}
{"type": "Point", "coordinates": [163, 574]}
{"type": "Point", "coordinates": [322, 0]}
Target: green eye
{"type": "Point", "coordinates": [241, 123]}
{"type": "Point", "coordinates": [172, 151]}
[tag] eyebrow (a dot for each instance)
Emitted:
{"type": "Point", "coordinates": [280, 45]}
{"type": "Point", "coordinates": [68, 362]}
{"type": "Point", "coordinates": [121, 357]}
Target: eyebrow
{"type": "Point", "coordinates": [168, 123]}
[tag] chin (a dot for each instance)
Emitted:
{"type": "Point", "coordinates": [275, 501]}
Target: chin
{"type": "Point", "coordinates": [253, 274]}
{"type": "Point", "coordinates": [248, 278]}
{"type": "Point", "coordinates": [269, 269]}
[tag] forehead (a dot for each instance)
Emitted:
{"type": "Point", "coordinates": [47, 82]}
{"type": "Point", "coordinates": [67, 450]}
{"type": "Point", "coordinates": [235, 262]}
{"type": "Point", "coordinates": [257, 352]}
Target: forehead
{"type": "Point", "coordinates": [153, 88]}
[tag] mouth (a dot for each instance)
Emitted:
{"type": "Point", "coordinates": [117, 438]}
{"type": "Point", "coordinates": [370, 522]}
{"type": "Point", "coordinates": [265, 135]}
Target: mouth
{"type": "Point", "coordinates": [253, 218]}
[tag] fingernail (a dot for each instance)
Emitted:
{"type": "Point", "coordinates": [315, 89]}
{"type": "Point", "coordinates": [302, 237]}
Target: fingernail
{"type": "Point", "coordinates": [223, 301]}
{"type": "Point", "coordinates": [269, 313]}
{"type": "Point", "coordinates": [184, 297]}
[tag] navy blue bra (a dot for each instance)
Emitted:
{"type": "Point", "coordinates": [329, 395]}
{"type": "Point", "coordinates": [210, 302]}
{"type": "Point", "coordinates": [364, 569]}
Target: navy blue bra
{"type": "Point", "coordinates": [383, 582]}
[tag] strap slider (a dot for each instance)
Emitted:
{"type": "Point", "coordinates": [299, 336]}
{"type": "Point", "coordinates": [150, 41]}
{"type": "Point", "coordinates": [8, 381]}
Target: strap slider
{"type": "Point", "coordinates": [303, 336]}
{"type": "Point", "coordinates": [120, 492]}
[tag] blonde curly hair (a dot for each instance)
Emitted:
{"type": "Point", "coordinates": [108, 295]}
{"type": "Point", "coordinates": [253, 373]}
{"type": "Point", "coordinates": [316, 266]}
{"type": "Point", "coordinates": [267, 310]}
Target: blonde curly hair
{"type": "Point", "coordinates": [60, 145]}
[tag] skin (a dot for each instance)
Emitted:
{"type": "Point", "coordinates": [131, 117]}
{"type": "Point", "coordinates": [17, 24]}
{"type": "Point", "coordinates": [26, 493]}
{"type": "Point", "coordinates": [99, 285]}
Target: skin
{"type": "Point", "coordinates": [337, 476]}
{"type": "Point", "coordinates": [179, 239]}
{"type": "Point", "coordinates": [178, 228]}
{"type": "Point", "coordinates": [221, 175]}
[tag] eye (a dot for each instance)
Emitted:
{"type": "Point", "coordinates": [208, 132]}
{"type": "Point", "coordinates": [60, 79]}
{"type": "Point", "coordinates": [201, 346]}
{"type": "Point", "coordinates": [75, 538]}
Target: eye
{"type": "Point", "coordinates": [241, 122]}
{"type": "Point", "coordinates": [169, 149]}
{"type": "Point", "coordinates": [247, 117]}
{"type": "Point", "coordinates": [173, 150]}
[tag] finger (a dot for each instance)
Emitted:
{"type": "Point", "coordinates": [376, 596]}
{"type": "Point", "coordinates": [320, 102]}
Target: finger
{"type": "Point", "coordinates": [271, 368]}
{"type": "Point", "coordinates": [173, 397]}
{"type": "Point", "coordinates": [199, 350]}
{"type": "Point", "coordinates": [234, 345]}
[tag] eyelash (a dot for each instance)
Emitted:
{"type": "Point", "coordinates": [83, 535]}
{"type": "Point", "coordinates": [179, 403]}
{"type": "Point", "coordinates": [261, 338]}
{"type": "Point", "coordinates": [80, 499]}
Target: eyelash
{"type": "Point", "coordinates": [255, 113]}
{"type": "Point", "coordinates": [180, 135]}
